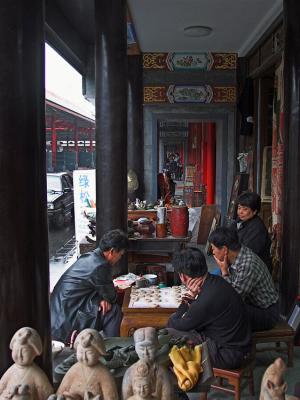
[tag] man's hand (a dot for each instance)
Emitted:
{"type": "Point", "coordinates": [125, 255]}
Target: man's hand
{"type": "Point", "coordinates": [223, 264]}
{"type": "Point", "coordinates": [187, 298]}
{"type": "Point", "coordinates": [104, 306]}
{"type": "Point", "coordinates": [193, 285]}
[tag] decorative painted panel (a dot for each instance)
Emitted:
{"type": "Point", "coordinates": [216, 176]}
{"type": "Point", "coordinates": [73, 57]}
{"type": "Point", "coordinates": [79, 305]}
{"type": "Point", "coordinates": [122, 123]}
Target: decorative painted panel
{"type": "Point", "coordinates": [204, 94]}
{"type": "Point", "coordinates": [204, 61]}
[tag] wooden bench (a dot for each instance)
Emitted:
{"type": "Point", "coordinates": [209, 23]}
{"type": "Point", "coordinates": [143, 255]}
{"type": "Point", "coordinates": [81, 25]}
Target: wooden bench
{"type": "Point", "coordinates": [281, 333]}
{"type": "Point", "coordinates": [233, 378]}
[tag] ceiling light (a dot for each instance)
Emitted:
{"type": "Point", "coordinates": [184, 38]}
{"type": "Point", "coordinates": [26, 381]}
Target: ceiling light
{"type": "Point", "coordinates": [197, 31]}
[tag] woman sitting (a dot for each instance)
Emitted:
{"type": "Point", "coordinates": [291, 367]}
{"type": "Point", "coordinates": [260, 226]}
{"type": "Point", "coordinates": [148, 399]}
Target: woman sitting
{"type": "Point", "coordinates": [252, 231]}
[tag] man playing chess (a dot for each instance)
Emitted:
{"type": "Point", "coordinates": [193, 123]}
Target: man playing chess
{"type": "Point", "coordinates": [212, 311]}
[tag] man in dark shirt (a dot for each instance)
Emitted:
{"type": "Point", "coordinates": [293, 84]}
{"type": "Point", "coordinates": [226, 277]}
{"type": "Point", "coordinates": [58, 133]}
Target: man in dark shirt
{"type": "Point", "coordinates": [211, 311]}
{"type": "Point", "coordinates": [84, 296]}
{"type": "Point", "coordinates": [248, 275]}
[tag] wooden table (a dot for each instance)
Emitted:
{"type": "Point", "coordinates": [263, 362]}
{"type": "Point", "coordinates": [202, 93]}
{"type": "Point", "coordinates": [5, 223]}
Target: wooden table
{"type": "Point", "coordinates": [134, 318]}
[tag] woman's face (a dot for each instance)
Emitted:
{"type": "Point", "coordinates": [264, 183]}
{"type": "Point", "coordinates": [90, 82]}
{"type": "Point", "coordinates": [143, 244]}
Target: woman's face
{"type": "Point", "coordinates": [245, 213]}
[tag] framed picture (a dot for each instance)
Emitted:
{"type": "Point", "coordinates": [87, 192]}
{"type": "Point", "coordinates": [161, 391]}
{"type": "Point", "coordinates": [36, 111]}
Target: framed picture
{"type": "Point", "coordinates": [266, 179]}
{"type": "Point", "coordinates": [240, 184]}
{"type": "Point", "coordinates": [212, 228]}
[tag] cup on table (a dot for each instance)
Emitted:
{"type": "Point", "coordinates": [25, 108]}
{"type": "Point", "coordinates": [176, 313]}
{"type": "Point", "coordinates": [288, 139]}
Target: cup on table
{"type": "Point", "coordinates": [151, 278]}
{"type": "Point", "coordinates": [141, 283]}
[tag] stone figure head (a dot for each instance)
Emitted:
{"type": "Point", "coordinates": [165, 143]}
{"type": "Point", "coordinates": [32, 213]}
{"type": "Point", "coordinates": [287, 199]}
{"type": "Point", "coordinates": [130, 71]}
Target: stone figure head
{"type": "Point", "coordinates": [143, 382]}
{"type": "Point", "coordinates": [89, 346]}
{"type": "Point", "coordinates": [25, 345]}
{"type": "Point", "coordinates": [146, 343]}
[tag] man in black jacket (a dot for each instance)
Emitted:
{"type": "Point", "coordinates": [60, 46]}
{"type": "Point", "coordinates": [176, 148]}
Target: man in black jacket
{"type": "Point", "coordinates": [84, 296]}
{"type": "Point", "coordinates": [212, 311]}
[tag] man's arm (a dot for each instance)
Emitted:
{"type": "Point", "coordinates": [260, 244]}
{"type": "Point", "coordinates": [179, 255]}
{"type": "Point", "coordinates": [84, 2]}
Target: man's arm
{"type": "Point", "coordinates": [189, 316]}
{"type": "Point", "coordinates": [241, 278]}
{"type": "Point", "coordinates": [102, 281]}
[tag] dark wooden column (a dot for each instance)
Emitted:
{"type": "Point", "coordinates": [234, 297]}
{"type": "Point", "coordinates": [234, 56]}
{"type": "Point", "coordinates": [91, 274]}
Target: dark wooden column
{"type": "Point", "coordinates": [135, 156]}
{"type": "Point", "coordinates": [111, 115]}
{"type": "Point", "coordinates": [24, 264]}
{"type": "Point", "coordinates": [291, 196]}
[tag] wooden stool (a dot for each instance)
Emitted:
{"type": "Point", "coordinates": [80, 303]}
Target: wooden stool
{"type": "Point", "coordinates": [282, 332]}
{"type": "Point", "coordinates": [234, 378]}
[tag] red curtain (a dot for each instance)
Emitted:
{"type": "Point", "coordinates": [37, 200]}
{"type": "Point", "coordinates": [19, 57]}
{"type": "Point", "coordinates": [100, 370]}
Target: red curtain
{"type": "Point", "coordinates": [202, 155]}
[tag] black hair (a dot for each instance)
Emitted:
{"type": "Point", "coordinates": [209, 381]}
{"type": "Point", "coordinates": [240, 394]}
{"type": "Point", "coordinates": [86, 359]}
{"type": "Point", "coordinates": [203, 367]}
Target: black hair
{"type": "Point", "coordinates": [251, 200]}
{"type": "Point", "coordinates": [190, 261]}
{"type": "Point", "coordinates": [115, 239]}
{"type": "Point", "coordinates": [224, 236]}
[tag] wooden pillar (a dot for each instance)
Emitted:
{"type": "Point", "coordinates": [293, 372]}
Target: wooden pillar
{"type": "Point", "coordinates": [111, 115]}
{"type": "Point", "coordinates": [291, 189]}
{"type": "Point", "coordinates": [24, 264]}
{"type": "Point", "coordinates": [135, 156]}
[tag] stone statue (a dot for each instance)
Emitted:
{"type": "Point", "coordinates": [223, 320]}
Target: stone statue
{"type": "Point", "coordinates": [273, 385]}
{"type": "Point", "coordinates": [88, 377]}
{"type": "Point", "coordinates": [86, 396]}
{"type": "Point", "coordinates": [143, 381]}
{"type": "Point", "coordinates": [24, 380]}
{"type": "Point", "coordinates": [146, 346]}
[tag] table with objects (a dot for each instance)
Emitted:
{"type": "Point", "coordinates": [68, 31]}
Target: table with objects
{"type": "Point", "coordinates": [150, 306]}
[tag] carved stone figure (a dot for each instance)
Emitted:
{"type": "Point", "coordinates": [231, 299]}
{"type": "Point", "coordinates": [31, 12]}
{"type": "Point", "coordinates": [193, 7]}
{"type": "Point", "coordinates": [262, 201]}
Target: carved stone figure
{"type": "Point", "coordinates": [146, 346]}
{"type": "Point", "coordinates": [24, 380]}
{"type": "Point", "coordinates": [273, 385]}
{"type": "Point", "coordinates": [86, 396]}
{"type": "Point", "coordinates": [88, 374]}
{"type": "Point", "coordinates": [21, 392]}
{"type": "Point", "coordinates": [143, 381]}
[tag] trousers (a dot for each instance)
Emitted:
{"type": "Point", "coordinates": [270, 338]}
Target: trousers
{"type": "Point", "coordinates": [109, 324]}
{"type": "Point", "coordinates": [263, 319]}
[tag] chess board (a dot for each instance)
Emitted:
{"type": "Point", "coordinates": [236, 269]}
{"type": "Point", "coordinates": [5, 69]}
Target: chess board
{"type": "Point", "coordinates": [155, 297]}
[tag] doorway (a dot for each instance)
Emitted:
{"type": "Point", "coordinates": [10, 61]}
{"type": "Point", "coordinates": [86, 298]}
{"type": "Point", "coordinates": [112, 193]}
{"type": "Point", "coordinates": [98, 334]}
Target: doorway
{"type": "Point", "coordinates": [224, 119]}
{"type": "Point", "coordinates": [187, 150]}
